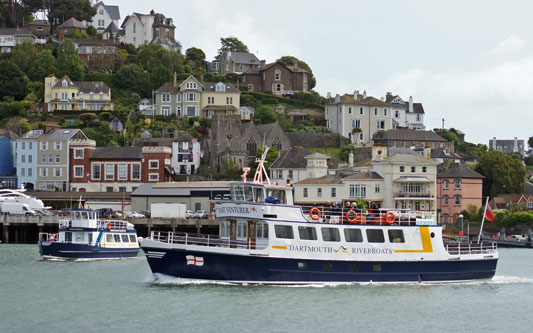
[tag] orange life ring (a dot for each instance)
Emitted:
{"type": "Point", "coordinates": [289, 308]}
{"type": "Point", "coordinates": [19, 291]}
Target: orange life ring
{"type": "Point", "coordinates": [52, 237]}
{"type": "Point", "coordinates": [313, 216]}
{"type": "Point", "coordinates": [108, 225]}
{"type": "Point", "coordinates": [349, 215]}
{"type": "Point", "coordinates": [390, 218]}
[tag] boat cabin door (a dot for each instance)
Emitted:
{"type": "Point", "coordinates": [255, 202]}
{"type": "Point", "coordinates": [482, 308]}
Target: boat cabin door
{"type": "Point", "coordinates": [252, 225]}
{"type": "Point", "coordinates": [233, 233]}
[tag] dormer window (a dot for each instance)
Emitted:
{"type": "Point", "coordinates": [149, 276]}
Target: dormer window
{"type": "Point", "coordinates": [64, 83]}
{"type": "Point", "coordinates": [81, 95]}
{"type": "Point", "coordinates": [101, 95]}
{"type": "Point", "coordinates": [92, 95]}
{"type": "Point", "coordinates": [220, 87]}
{"type": "Point", "coordinates": [277, 75]}
{"type": "Point", "coordinates": [190, 85]}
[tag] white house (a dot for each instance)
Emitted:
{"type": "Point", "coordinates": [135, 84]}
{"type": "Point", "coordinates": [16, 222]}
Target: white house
{"type": "Point", "coordinates": [406, 114]}
{"type": "Point", "coordinates": [146, 107]}
{"type": "Point", "coordinates": [140, 29]}
{"type": "Point", "coordinates": [186, 155]}
{"type": "Point", "coordinates": [105, 16]}
{"type": "Point", "coordinates": [298, 164]}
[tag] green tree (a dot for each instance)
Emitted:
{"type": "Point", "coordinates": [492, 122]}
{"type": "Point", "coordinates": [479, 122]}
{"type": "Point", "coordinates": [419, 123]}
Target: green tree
{"type": "Point", "coordinates": [91, 31]}
{"type": "Point", "coordinates": [24, 125]}
{"type": "Point", "coordinates": [195, 58]}
{"type": "Point", "coordinates": [45, 65]}
{"type": "Point", "coordinates": [153, 55]}
{"type": "Point", "coordinates": [450, 136]}
{"type": "Point", "coordinates": [73, 67]}
{"type": "Point", "coordinates": [265, 115]}
{"type": "Point", "coordinates": [103, 135]}
{"type": "Point", "coordinates": [64, 50]}
{"type": "Point", "coordinates": [58, 11]}
{"type": "Point", "coordinates": [24, 56]}
{"type": "Point", "coordinates": [159, 76]}
{"type": "Point", "coordinates": [13, 11]}
{"type": "Point", "coordinates": [12, 81]}
{"type": "Point", "coordinates": [503, 174]}
{"type": "Point", "coordinates": [293, 61]}
{"type": "Point", "coordinates": [133, 77]}
{"type": "Point", "coordinates": [232, 44]}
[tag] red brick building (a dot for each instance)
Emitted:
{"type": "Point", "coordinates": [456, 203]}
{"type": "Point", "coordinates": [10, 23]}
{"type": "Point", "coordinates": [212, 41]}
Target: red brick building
{"type": "Point", "coordinates": [118, 169]}
{"type": "Point", "coordinates": [277, 78]}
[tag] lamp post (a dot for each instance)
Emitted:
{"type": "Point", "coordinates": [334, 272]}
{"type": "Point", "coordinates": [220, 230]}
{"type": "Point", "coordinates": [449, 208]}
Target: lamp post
{"type": "Point", "coordinates": [461, 232]}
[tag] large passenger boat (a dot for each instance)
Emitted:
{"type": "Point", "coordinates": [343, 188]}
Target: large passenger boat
{"type": "Point", "coordinates": [85, 237]}
{"type": "Point", "coordinates": [12, 196]}
{"type": "Point", "coordinates": [265, 238]}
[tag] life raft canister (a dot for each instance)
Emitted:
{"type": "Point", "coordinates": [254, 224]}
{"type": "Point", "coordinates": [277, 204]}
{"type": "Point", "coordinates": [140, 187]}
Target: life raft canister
{"type": "Point", "coordinates": [351, 216]}
{"type": "Point", "coordinates": [312, 213]}
{"type": "Point", "coordinates": [390, 218]}
{"type": "Point", "coordinates": [108, 225]}
{"type": "Point", "coordinates": [52, 237]}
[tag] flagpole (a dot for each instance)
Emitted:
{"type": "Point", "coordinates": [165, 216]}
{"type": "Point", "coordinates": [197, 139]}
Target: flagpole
{"type": "Point", "coordinates": [483, 220]}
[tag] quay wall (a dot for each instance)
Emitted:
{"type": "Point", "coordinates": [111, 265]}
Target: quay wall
{"type": "Point", "coordinates": [26, 229]}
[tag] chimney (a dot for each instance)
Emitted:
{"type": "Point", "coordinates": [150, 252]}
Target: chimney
{"type": "Point", "coordinates": [515, 147]}
{"type": "Point", "coordinates": [410, 104]}
{"type": "Point", "coordinates": [152, 12]}
{"type": "Point", "coordinates": [263, 63]}
{"type": "Point", "coordinates": [62, 36]}
{"type": "Point", "coordinates": [328, 94]}
{"type": "Point", "coordinates": [427, 153]}
{"type": "Point", "coordinates": [389, 94]}
{"type": "Point", "coordinates": [378, 152]}
{"type": "Point", "coordinates": [337, 99]}
{"type": "Point", "coordinates": [494, 143]}
{"type": "Point", "coordinates": [364, 93]}
{"type": "Point", "coordinates": [175, 79]}
{"type": "Point", "coordinates": [350, 159]}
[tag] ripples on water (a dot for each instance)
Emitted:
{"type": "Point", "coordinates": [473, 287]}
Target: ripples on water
{"type": "Point", "coordinates": [124, 296]}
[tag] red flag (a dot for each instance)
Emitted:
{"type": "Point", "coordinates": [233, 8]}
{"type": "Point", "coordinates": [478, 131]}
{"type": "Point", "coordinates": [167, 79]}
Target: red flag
{"type": "Point", "coordinates": [489, 214]}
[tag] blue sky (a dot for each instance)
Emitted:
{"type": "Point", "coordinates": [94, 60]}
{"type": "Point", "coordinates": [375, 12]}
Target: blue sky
{"type": "Point", "coordinates": [469, 62]}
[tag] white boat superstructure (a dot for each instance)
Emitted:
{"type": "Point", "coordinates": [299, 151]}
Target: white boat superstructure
{"type": "Point", "coordinates": [11, 196]}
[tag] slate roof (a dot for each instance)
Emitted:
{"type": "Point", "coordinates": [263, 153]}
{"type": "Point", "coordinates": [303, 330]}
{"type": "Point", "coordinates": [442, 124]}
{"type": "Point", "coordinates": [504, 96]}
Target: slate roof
{"type": "Point", "coordinates": [243, 58]}
{"type": "Point", "coordinates": [167, 88]}
{"type": "Point", "coordinates": [184, 138]}
{"type": "Point", "coordinates": [456, 170]}
{"type": "Point", "coordinates": [413, 135]}
{"type": "Point", "coordinates": [210, 86]}
{"type": "Point", "coordinates": [364, 175]}
{"type": "Point", "coordinates": [95, 42]}
{"type": "Point", "coordinates": [59, 134]}
{"type": "Point", "coordinates": [294, 158]}
{"type": "Point", "coordinates": [72, 23]}
{"type": "Point", "coordinates": [14, 31]}
{"type": "Point", "coordinates": [407, 158]}
{"type": "Point", "coordinates": [38, 22]}
{"type": "Point", "coordinates": [94, 86]}
{"type": "Point", "coordinates": [264, 129]}
{"type": "Point", "coordinates": [113, 28]}
{"type": "Point", "coordinates": [368, 101]}
{"type": "Point", "coordinates": [372, 101]}
{"type": "Point", "coordinates": [117, 153]}
{"type": "Point", "coordinates": [316, 140]}
{"type": "Point", "coordinates": [325, 180]}
{"type": "Point", "coordinates": [183, 189]}
{"type": "Point", "coordinates": [113, 11]}
{"type": "Point", "coordinates": [317, 155]}
{"type": "Point", "coordinates": [161, 21]}
{"type": "Point", "coordinates": [417, 108]}
{"type": "Point", "coordinates": [441, 153]}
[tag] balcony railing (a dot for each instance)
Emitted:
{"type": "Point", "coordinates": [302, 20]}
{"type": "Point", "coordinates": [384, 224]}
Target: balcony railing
{"type": "Point", "coordinates": [424, 194]}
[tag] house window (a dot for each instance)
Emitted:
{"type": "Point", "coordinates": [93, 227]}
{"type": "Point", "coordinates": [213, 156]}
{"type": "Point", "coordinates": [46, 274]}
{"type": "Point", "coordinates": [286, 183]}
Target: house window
{"type": "Point", "coordinates": [154, 164]}
{"type": "Point", "coordinates": [277, 75]}
{"type": "Point", "coordinates": [445, 184]}
{"type": "Point", "coordinates": [136, 171]}
{"type": "Point", "coordinates": [24, 145]}
{"type": "Point", "coordinates": [178, 111]}
{"type": "Point", "coordinates": [154, 177]}
{"type": "Point", "coordinates": [361, 137]}
{"type": "Point", "coordinates": [23, 158]}
{"type": "Point", "coordinates": [357, 191]}
{"type": "Point", "coordinates": [44, 145]}
{"type": "Point", "coordinates": [445, 200]}
{"type": "Point", "coordinates": [356, 123]}
{"type": "Point", "coordinates": [57, 172]}
{"type": "Point", "coordinates": [101, 12]}
{"type": "Point", "coordinates": [385, 112]}
{"type": "Point", "coordinates": [109, 171]}
{"type": "Point", "coordinates": [134, 31]}
{"type": "Point", "coordinates": [380, 124]}
{"type": "Point", "coordinates": [50, 158]}
{"type": "Point", "coordinates": [58, 145]}
{"type": "Point", "coordinates": [402, 168]}
{"type": "Point", "coordinates": [375, 111]}
{"type": "Point", "coordinates": [413, 169]}
{"type": "Point", "coordinates": [109, 189]}
{"type": "Point", "coordinates": [58, 159]}
{"type": "Point", "coordinates": [30, 159]}
{"type": "Point", "coordinates": [78, 153]}
{"type": "Point", "coordinates": [229, 100]}
{"type": "Point", "coordinates": [122, 171]}
{"type": "Point", "coordinates": [96, 171]}
{"type": "Point", "coordinates": [457, 200]}
{"type": "Point", "coordinates": [377, 188]}
{"type": "Point", "coordinates": [191, 111]}
{"type": "Point", "coordinates": [457, 184]}
{"type": "Point", "coordinates": [446, 218]}
{"type": "Point", "coordinates": [178, 97]}
{"type": "Point", "coordinates": [165, 98]}
{"type": "Point", "coordinates": [290, 175]}
{"type": "Point", "coordinates": [43, 159]}
{"type": "Point", "coordinates": [319, 192]}
{"type": "Point", "coordinates": [78, 171]}
{"type": "Point", "coordinates": [210, 100]}
{"type": "Point", "coordinates": [361, 112]}
{"type": "Point", "coordinates": [44, 172]}
{"type": "Point", "coordinates": [30, 172]}
{"type": "Point", "coordinates": [424, 169]}
{"type": "Point", "coordinates": [396, 114]}
{"type": "Point", "coordinates": [333, 192]}
{"type": "Point", "coordinates": [305, 192]}
{"type": "Point", "coordinates": [251, 147]}
{"type": "Point", "coordinates": [165, 111]}
{"type": "Point", "coordinates": [276, 87]}
{"type": "Point", "coordinates": [349, 110]}
{"type": "Point", "coordinates": [22, 172]}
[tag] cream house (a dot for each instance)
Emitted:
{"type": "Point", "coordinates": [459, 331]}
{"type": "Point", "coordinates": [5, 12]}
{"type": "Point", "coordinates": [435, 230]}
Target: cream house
{"type": "Point", "coordinates": [67, 95]}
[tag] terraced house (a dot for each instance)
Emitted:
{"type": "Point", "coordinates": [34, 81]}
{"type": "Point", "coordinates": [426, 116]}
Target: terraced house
{"type": "Point", "coordinates": [67, 95]}
{"type": "Point", "coordinates": [193, 98]}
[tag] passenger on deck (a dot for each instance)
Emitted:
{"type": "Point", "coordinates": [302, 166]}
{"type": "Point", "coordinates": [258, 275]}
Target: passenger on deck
{"type": "Point", "coordinates": [373, 214]}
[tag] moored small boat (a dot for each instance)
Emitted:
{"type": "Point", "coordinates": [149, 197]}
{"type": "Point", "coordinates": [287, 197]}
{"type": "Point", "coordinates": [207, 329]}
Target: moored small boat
{"type": "Point", "coordinates": [85, 237]}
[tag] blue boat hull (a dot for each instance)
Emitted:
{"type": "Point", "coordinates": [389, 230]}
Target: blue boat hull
{"type": "Point", "coordinates": [70, 251]}
{"type": "Point", "coordinates": [261, 269]}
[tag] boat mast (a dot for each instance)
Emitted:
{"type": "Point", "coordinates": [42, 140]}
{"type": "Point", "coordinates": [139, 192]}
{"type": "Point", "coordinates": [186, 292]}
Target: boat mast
{"type": "Point", "coordinates": [258, 177]}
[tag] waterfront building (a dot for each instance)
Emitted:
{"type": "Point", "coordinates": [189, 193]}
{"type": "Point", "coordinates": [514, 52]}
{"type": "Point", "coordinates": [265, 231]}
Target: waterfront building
{"type": "Point", "coordinates": [27, 158]}
{"type": "Point", "coordinates": [186, 155]}
{"type": "Point", "coordinates": [229, 62]}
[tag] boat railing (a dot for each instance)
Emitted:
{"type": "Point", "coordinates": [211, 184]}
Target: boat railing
{"type": "Point", "coordinates": [112, 225]}
{"type": "Point", "coordinates": [377, 216]}
{"type": "Point", "coordinates": [471, 248]}
{"type": "Point", "coordinates": [204, 240]}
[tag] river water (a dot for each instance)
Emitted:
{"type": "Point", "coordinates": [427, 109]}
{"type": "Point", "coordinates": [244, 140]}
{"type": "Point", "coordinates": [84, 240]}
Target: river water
{"type": "Point", "coordinates": [122, 296]}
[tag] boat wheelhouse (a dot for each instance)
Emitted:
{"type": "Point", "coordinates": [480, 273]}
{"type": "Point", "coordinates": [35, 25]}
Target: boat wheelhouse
{"type": "Point", "coordinates": [85, 237]}
{"type": "Point", "coordinates": [265, 238]}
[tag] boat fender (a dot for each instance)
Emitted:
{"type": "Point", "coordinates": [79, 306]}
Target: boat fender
{"type": "Point", "coordinates": [52, 237]}
{"type": "Point", "coordinates": [108, 225]}
{"type": "Point", "coordinates": [351, 216]}
{"type": "Point", "coordinates": [314, 213]}
{"type": "Point", "coordinates": [390, 218]}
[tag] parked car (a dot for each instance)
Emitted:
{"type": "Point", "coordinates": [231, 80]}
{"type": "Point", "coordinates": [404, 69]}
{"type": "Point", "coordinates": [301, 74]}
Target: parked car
{"type": "Point", "coordinates": [189, 214]}
{"type": "Point", "coordinates": [518, 238]}
{"type": "Point", "coordinates": [105, 212]}
{"type": "Point", "coordinates": [42, 212]}
{"type": "Point", "coordinates": [133, 214]}
{"type": "Point", "coordinates": [201, 214]}
{"type": "Point", "coordinates": [116, 214]}
{"type": "Point", "coordinates": [146, 213]}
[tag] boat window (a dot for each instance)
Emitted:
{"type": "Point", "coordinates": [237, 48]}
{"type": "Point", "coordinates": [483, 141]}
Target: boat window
{"type": "Point", "coordinates": [328, 267]}
{"type": "Point", "coordinates": [90, 238]}
{"type": "Point", "coordinates": [124, 238]}
{"type": "Point", "coordinates": [284, 231]}
{"type": "Point", "coordinates": [79, 236]}
{"type": "Point", "coordinates": [262, 230]}
{"type": "Point", "coordinates": [307, 233]}
{"type": "Point", "coordinates": [353, 235]}
{"type": "Point", "coordinates": [239, 193]}
{"type": "Point", "coordinates": [331, 234]}
{"type": "Point", "coordinates": [375, 236]}
{"type": "Point", "coordinates": [259, 195]}
{"type": "Point", "coordinates": [224, 228]}
{"type": "Point", "coordinates": [248, 196]}
{"type": "Point", "coordinates": [109, 238]}
{"type": "Point", "coordinates": [133, 239]}
{"type": "Point", "coordinates": [396, 236]}
{"type": "Point", "coordinates": [68, 236]}
{"type": "Point", "coordinates": [117, 238]}
{"type": "Point", "coordinates": [241, 229]}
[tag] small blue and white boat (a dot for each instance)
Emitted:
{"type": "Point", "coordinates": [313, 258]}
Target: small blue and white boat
{"type": "Point", "coordinates": [264, 238]}
{"type": "Point", "coordinates": [85, 237]}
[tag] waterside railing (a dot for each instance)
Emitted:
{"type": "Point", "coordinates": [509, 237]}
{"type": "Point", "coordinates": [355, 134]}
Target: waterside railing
{"type": "Point", "coordinates": [205, 240]}
{"type": "Point", "coordinates": [471, 248]}
{"type": "Point", "coordinates": [381, 216]}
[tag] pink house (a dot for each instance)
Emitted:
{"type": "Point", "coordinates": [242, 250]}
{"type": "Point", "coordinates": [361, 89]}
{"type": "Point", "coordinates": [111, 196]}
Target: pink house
{"type": "Point", "coordinates": [457, 187]}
